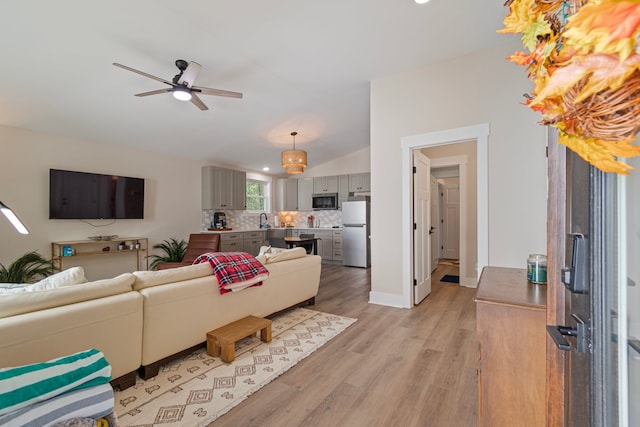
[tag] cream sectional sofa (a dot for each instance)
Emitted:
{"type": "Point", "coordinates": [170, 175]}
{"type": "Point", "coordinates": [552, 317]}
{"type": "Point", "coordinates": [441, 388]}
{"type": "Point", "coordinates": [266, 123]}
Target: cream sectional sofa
{"type": "Point", "coordinates": [179, 311]}
{"type": "Point", "coordinates": [145, 318]}
{"type": "Point", "coordinates": [105, 314]}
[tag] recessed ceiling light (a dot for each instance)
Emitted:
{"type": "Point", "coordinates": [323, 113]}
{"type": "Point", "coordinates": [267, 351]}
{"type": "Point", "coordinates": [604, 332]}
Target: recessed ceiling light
{"type": "Point", "coordinates": [421, 1]}
{"type": "Point", "coordinates": [266, 168]}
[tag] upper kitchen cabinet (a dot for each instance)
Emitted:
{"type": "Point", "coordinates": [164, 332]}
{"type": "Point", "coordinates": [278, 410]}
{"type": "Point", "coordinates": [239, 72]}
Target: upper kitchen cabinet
{"type": "Point", "coordinates": [325, 184]}
{"type": "Point", "coordinates": [220, 188]}
{"type": "Point", "coordinates": [305, 191]}
{"type": "Point", "coordinates": [343, 189]}
{"type": "Point", "coordinates": [286, 194]}
{"type": "Point", "coordinates": [239, 190]}
{"type": "Point", "coordinates": [359, 182]}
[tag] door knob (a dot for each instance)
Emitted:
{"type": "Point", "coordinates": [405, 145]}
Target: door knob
{"type": "Point", "coordinates": [432, 230]}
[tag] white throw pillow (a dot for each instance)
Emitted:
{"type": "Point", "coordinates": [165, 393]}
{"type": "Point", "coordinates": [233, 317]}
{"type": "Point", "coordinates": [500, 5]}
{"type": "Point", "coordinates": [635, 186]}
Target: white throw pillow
{"type": "Point", "coordinates": [70, 276]}
{"type": "Point", "coordinates": [264, 250]}
{"type": "Point", "coordinates": [284, 255]}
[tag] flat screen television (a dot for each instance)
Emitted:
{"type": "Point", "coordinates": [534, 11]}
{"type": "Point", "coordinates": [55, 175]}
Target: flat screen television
{"type": "Point", "coordinates": [81, 195]}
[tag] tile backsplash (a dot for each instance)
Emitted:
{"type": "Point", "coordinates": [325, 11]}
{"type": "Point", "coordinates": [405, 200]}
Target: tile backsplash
{"type": "Point", "coordinates": [243, 220]}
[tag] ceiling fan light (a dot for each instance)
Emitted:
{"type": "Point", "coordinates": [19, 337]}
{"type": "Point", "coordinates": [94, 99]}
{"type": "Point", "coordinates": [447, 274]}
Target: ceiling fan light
{"type": "Point", "coordinates": [181, 94]}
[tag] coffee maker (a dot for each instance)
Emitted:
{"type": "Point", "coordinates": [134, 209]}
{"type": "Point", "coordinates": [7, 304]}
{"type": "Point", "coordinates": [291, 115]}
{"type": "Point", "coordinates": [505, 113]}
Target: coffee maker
{"type": "Point", "coordinates": [219, 220]}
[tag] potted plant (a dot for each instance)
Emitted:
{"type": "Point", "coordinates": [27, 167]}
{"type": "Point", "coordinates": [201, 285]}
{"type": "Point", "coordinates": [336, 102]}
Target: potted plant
{"type": "Point", "coordinates": [26, 269]}
{"type": "Point", "coordinates": [173, 249]}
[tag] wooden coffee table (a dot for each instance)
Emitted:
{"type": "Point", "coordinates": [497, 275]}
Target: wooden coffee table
{"type": "Point", "coordinates": [222, 341]}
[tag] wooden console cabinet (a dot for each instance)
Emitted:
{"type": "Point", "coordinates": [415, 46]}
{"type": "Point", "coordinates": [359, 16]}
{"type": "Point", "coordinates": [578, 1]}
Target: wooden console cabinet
{"type": "Point", "coordinates": [510, 322]}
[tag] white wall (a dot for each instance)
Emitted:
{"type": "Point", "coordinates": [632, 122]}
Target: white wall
{"type": "Point", "coordinates": [172, 195]}
{"type": "Point", "coordinates": [479, 88]}
{"type": "Point", "coordinates": [356, 162]}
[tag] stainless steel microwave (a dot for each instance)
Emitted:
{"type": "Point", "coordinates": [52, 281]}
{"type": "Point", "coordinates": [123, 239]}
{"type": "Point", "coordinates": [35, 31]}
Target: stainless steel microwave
{"type": "Point", "coordinates": [324, 201]}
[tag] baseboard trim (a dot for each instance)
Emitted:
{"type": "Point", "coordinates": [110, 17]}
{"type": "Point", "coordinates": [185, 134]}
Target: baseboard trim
{"type": "Point", "coordinates": [469, 282]}
{"type": "Point", "coordinates": [381, 298]}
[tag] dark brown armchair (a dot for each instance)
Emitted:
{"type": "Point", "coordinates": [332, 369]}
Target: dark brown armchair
{"type": "Point", "coordinates": [198, 244]}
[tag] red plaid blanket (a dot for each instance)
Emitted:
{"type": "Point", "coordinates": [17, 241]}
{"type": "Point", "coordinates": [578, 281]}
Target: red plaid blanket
{"type": "Point", "coordinates": [235, 270]}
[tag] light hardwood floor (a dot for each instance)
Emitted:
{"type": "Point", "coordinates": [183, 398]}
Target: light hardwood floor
{"type": "Point", "coordinates": [393, 367]}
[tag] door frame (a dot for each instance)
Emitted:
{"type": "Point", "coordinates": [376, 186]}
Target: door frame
{"type": "Point", "coordinates": [479, 133]}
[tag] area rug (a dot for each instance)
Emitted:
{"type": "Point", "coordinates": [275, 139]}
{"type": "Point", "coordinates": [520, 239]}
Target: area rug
{"type": "Point", "coordinates": [196, 390]}
{"type": "Point", "coordinates": [450, 278]}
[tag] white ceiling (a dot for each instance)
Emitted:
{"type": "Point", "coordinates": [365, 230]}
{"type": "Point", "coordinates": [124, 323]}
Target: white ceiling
{"type": "Point", "coordinates": [302, 65]}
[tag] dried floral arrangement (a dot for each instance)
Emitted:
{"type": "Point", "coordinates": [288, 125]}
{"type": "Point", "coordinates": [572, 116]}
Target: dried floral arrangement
{"type": "Point", "coordinates": [583, 57]}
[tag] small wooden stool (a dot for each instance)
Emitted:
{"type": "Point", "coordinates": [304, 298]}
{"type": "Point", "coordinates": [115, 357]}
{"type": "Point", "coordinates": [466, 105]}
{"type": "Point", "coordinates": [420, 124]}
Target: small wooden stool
{"type": "Point", "coordinates": [222, 341]}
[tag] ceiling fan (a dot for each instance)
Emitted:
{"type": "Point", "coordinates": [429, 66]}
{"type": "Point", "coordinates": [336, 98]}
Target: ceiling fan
{"type": "Point", "coordinates": [182, 86]}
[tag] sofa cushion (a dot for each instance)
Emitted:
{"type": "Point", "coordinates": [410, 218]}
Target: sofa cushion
{"type": "Point", "coordinates": [25, 302]}
{"type": "Point", "coordinates": [146, 279]}
{"type": "Point", "coordinates": [281, 255]}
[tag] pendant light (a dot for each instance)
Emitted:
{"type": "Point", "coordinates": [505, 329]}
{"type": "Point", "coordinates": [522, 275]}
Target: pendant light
{"type": "Point", "coordinates": [294, 161]}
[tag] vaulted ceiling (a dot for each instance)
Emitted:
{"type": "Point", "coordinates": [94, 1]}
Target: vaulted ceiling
{"type": "Point", "coordinates": [302, 66]}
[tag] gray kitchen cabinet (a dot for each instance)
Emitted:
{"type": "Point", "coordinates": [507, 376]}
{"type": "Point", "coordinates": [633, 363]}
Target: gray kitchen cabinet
{"type": "Point", "coordinates": [305, 190]}
{"type": "Point", "coordinates": [220, 187]}
{"type": "Point", "coordinates": [252, 240]}
{"type": "Point", "coordinates": [337, 245]}
{"type": "Point", "coordinates": [325, 184]}
{"type": "Point", "coordinates": [360, 182]}
{"type": "Point", "coordinates": [239, 190]}
{"type": "Point", "coordinates": [325, 243]}
{"type": "Point", "coordinates": [343, 189]}
{"type": "Point", "coordinates": [286, 194]}
{"type": "Point", "coordinates": [231, 242]}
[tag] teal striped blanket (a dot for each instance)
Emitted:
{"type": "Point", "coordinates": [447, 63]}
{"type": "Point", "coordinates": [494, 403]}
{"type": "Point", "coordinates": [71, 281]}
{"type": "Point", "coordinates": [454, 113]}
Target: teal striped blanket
{"type": "Point", "coordinates": [25, 385]}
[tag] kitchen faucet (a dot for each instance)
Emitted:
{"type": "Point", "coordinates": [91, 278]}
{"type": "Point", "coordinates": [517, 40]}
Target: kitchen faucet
{"type": "Point", "coordinates": [265, 219]}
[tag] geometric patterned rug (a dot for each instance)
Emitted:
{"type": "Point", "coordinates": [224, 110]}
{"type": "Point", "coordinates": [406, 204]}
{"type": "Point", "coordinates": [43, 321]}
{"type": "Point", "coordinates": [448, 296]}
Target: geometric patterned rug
{"type": "Point", "coordinates": [197, 389]}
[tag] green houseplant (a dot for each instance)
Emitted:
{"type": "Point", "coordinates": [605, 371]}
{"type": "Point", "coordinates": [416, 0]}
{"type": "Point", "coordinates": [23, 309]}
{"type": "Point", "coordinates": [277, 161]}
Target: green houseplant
{"type": "Point", "coordinates": [26, 269]}
{"type": "Point", "coordinates": [173, 249]}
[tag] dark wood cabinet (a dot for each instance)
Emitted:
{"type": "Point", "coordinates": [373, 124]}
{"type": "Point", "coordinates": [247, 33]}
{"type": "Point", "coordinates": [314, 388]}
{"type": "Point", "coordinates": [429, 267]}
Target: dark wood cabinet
{"type": "Point", "coordinates": [510, 322]}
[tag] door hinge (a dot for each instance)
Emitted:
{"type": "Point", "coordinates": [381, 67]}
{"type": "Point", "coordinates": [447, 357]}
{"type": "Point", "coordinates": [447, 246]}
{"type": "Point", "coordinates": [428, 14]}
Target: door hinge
{"type": "Point", "coordinates": [415, 282]}
{"type": "Point", "coordinates": [415, 226]}
{"type": "Point", "coordinates": [415, 169]}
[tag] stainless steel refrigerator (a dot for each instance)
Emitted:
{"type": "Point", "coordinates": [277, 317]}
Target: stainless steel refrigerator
{"type": "Point", "coordinates": [355, 233]}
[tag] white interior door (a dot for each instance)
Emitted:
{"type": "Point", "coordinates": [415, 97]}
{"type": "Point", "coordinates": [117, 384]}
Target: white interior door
{"type": "Point", "coordinates": [451, 220]}
{"type": "Point", "coordinates": [422, 225]}
{"type": "Point", "coordinates": [435, 221]}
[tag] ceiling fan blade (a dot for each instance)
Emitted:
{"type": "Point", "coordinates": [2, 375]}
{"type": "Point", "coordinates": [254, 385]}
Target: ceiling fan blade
{"type": "Point", "coordinates": [218, 92]}
{"type": "Point", "coordinates": [154, 92]}
{"type": "Point", "coordinates": [198, 102]}
{"type": "Point", "coordinates": [190, 75]}
{"type": "Point", "coordinates": [142, 73]}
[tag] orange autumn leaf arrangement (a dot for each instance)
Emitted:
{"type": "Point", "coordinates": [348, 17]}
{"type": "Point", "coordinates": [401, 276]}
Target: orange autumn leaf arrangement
{"type": "Point", "coordinates": [583, 57]}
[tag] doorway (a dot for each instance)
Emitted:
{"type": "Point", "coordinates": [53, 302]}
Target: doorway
{"type": "Point", "coordinates": [477, 133]}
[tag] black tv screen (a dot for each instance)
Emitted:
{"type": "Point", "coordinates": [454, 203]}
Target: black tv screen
{"type": "Point", "coordinates": [81, 195]}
